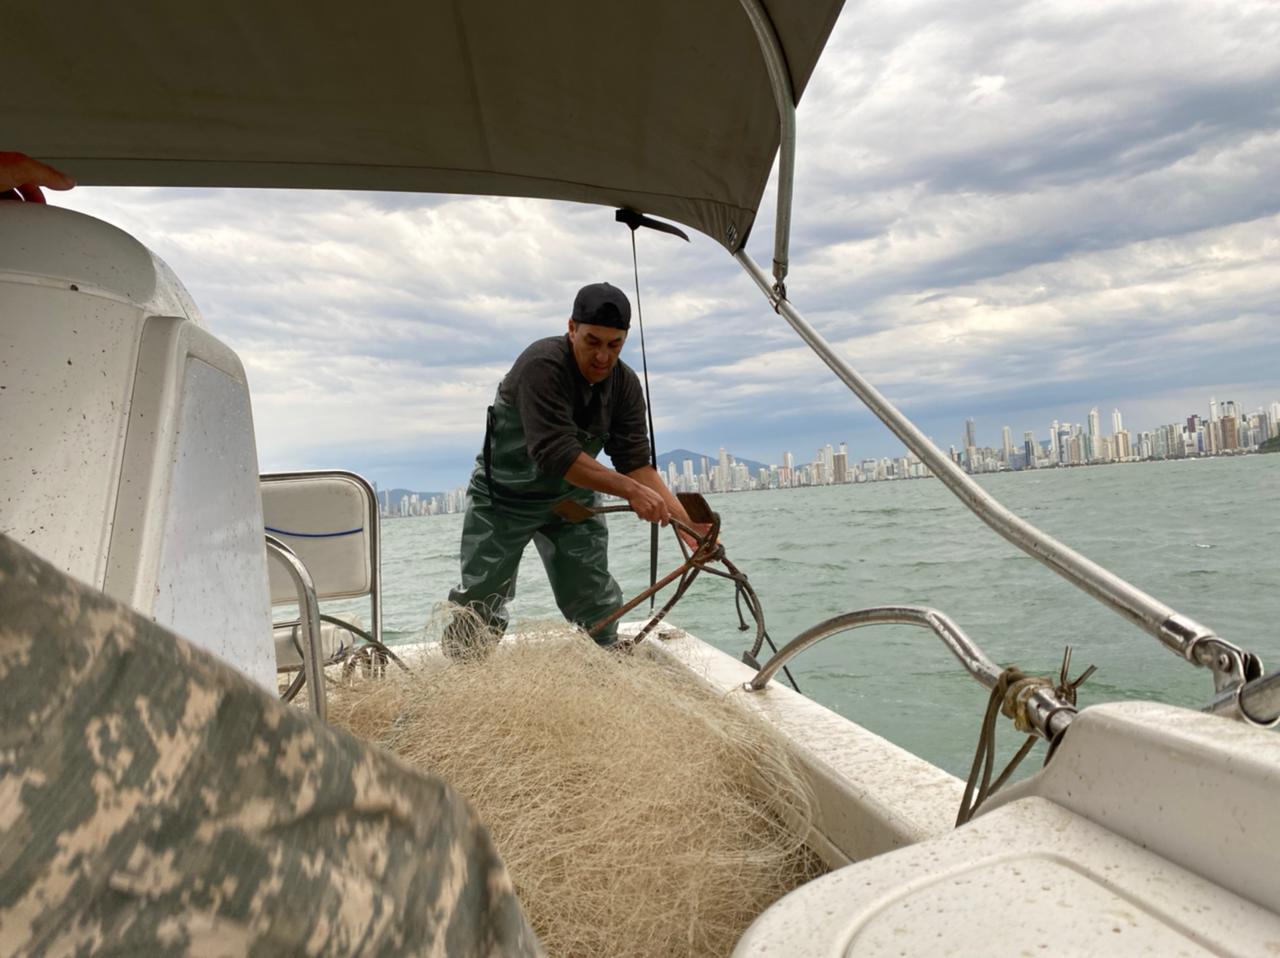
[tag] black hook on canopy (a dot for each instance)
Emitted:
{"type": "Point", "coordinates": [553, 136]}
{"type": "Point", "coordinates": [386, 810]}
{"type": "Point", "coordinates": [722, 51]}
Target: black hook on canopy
{"type": "Point", "coordinates": [636, 220]}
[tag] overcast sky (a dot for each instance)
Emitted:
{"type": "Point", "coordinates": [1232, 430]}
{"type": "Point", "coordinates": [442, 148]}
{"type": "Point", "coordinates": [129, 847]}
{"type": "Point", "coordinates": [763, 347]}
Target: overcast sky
{"type": "Point", "coordinates": [1011, 211]}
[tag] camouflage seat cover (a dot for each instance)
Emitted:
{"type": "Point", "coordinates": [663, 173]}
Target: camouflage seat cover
{"type": "Point", "coordinates": [154, 801]}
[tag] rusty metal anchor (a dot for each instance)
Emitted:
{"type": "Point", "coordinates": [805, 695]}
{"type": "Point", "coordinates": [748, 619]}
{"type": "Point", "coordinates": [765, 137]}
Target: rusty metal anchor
{"type": "Point", "coordinates": [706, 551]}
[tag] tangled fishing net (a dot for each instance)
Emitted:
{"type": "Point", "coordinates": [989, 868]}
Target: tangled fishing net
{"type": "Point", "coordinates": [638, 813]}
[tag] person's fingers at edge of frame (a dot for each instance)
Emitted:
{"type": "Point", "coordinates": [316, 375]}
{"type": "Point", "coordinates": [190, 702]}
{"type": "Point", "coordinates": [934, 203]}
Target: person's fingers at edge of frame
{"type": "Point", "coordinates": [30, 192]}
{"type": "Point", "coordinates": [20, 170]}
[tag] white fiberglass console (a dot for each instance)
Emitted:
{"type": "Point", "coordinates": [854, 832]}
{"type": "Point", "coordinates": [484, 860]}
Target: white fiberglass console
{"type": "Point", "coordinates": [128, 454]}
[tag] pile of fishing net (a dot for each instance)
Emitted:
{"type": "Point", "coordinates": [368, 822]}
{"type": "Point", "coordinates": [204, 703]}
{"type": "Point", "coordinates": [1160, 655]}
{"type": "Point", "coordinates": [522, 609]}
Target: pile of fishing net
{"type": "Point", "coordinates": [638, 812]}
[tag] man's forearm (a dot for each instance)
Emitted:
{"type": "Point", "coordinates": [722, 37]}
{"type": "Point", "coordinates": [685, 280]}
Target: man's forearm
{"type": "Point", "coordinates": [651, 503]}
{"type": "Point", "coordinates": [589, 474]}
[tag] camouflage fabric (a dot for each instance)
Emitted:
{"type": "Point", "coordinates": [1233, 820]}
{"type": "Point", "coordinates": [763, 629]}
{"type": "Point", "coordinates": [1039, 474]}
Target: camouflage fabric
{"type": "Point", "coordinates": [154, 801]}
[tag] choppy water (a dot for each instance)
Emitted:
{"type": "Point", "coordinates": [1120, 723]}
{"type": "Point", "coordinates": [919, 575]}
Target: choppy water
{"type": "Point", "coordinates": [1203, 536]}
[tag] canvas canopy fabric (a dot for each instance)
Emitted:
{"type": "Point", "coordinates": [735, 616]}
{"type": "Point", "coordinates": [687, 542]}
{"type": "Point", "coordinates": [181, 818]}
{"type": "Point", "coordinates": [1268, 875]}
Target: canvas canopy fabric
{"type": "Point", "coordinates": [662, 106]}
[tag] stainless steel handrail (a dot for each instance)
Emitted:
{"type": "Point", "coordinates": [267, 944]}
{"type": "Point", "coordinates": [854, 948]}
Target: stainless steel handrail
{"type": "Point", "coordinates": [775, 62]}
{"type": "Point", "coordinates": [1047, 713]}
{"type": "Point", "coordinates": [1181, 634]}
{"type": "Point", "coordinates": [962, 647]}
{"type": "Point", "coordinates": [309, 607]}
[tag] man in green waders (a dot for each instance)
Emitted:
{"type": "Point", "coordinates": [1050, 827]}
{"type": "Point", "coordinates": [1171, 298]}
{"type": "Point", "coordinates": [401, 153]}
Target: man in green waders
{"type": "Point", "coordinates": [565, 399]}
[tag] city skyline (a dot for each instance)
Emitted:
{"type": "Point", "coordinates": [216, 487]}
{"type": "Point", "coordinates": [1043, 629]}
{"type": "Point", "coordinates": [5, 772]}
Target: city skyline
{"type": "Point", "coordinates": [1229, 429]}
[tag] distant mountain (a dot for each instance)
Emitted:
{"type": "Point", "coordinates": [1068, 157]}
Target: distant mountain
{"type": "Point", "coordinates": [678, 456]}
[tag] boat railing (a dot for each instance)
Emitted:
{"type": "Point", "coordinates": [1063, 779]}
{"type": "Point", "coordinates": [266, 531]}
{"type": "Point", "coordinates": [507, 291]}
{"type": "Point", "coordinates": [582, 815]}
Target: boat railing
{"type": "Point", "coordinates": [309, 614]}
{"type": "Point", "coordinates": [1047, 712]}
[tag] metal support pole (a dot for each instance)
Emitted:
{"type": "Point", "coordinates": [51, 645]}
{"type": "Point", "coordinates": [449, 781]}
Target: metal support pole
{"type": "Point", "coordinates": [1179, 633]}
{"type": "Point", "coordinates": [775, 62]}
{"type": "Point", "coordinates": [1256, 701]}
{"type": "Point", "coordinates": [309, 614]}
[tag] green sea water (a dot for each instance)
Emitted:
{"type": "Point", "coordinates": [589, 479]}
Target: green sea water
{"type": "Point", "coordinates": [1202, 536]}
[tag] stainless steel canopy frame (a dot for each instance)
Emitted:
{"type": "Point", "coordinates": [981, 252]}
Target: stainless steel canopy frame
{"type": "Point", "coordinates": [780, 80]}
{"type": "Point", "coordinates": [1240, 688]}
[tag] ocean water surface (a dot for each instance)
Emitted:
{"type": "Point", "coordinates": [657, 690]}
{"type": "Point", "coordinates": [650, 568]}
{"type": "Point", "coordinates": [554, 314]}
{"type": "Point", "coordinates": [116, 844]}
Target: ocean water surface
{"type": "Point", "coordinates": [1202, 536]}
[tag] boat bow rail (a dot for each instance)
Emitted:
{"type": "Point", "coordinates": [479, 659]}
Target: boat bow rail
{"type": "Point", "coordinates": [1039, 706]}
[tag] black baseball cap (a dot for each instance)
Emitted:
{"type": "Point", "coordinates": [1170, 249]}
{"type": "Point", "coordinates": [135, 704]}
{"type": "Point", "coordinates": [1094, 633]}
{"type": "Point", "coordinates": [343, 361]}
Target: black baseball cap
{"type": "Point", "coordinates": [602, 304]}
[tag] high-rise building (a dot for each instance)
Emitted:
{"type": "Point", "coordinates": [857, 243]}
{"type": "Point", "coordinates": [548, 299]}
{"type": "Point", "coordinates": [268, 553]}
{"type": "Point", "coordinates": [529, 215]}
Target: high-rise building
{"type": "Point", "coordinates": [1122, 447]}
{"type": "Point", "coordinates": [1213, 409]}
{"type": "Point", "coordinates": [1230, 436]}
{"type": "Point", "coordinates": [1030, 450]}
{"type": "Point", "coordinates": [1075, 449]}
{"type": "Point", "coordinates": [1213, 437]}
{"type": "Point", "coordinates": [970, 434]}
{"type": "Point", "coordinates": [1116, 426]}
{"type": "Point", "coordinates": [840, 468]}
{"type": "Point", "coordinates": [1093, 448]}
{"type": "Point", "coordinates": [1006, 441]}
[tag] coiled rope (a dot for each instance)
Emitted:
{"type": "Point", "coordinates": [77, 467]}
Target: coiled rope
{"type": "Point", "coordinates": [1009, 696]}
{"type": "Point", "coordinates": [373, 653]}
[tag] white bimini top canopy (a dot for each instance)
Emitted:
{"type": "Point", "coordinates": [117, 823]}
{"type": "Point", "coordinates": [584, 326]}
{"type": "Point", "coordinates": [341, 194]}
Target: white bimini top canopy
{"type": "Point", "coordinates": [663, 106]}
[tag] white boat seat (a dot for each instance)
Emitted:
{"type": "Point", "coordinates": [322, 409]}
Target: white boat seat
{"type": "Point", "coordinates": [328, 520]}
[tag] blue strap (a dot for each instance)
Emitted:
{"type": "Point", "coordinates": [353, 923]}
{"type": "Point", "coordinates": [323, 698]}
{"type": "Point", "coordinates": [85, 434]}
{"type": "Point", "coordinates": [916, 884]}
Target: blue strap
{"type": "Point", "coordinates": [314, 535]}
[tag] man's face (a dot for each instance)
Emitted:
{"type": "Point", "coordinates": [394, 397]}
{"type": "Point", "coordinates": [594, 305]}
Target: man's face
{"type": "Point", "coordinates": [596, 349]}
